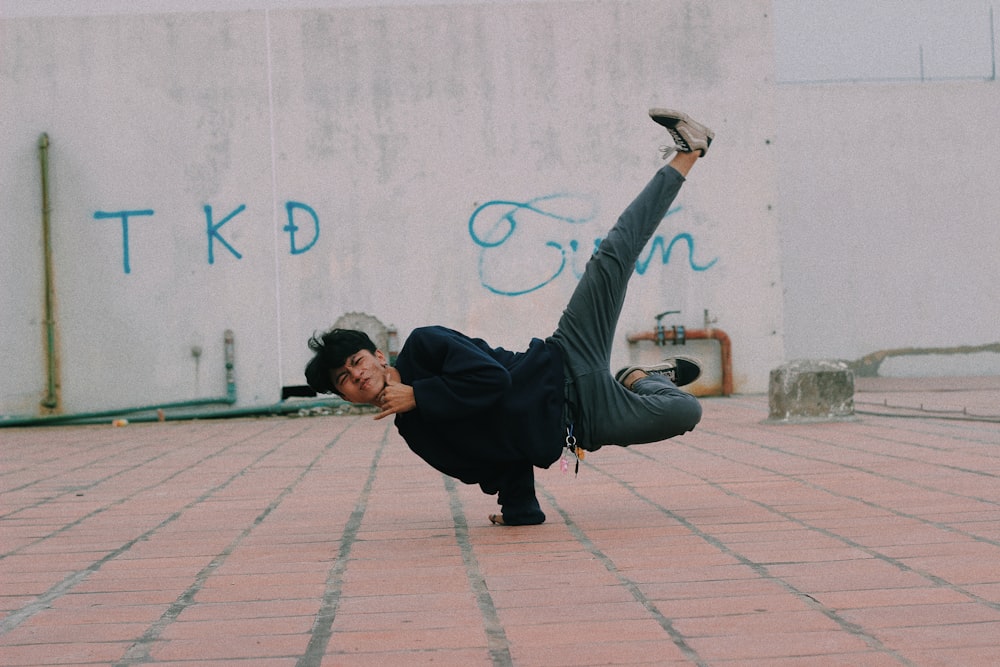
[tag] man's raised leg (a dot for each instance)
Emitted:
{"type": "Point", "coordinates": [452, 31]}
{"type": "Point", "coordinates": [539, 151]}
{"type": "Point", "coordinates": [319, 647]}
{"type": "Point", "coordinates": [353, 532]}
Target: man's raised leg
{"type": "Point", "coordinates": [586, 328]}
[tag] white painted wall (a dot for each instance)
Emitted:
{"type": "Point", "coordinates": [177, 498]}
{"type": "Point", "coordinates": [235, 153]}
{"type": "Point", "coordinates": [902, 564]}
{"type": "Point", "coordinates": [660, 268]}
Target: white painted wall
{"type": "Point", "coordinates": [392, 125]}
{"type": "Point", "coordinates": [890, 233]}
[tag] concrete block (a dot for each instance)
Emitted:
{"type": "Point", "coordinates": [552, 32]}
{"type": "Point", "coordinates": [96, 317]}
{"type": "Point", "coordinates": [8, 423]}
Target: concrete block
{"type": "Point", "coordinates": [811, 391]}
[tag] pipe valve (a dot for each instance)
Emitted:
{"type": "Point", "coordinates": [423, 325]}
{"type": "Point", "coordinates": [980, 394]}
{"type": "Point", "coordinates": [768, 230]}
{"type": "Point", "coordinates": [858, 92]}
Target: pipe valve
{"type": "Point", "coordinates": [661, 332]}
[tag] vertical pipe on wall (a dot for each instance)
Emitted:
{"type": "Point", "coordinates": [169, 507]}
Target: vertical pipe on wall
{"type": "Point", "coordinates": [51, 400]}
{"type": "Point", "coordinates": [230, 356]}
{"type": "Point", "coordinates": [993, 48]}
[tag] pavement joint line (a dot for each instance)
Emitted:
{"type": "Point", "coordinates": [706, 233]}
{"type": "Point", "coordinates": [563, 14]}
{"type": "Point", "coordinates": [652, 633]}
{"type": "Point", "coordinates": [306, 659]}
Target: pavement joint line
{"type": "Point", "coordinates": [742, 494]}
{"type": "Point", "coordinates": [42, 462]}
{"type": "Point", "coordinates": [907, 459]}
{"type": "Point", "coordinates": [119, 501]}
{"type": "Point", "coordinates": [633, 588]}
{"type": "Point", "coordinates": [43, 601]}
{"type": "Point", "coordinates": [77, 489]}
{"type": "Point", "coordinates": [874, 553]}
{"type": "Point", "coordinates": [322, 629]}
{"type": "Point", "coordinates": [910, 459]}
{"type": "Point", "coordinates": [924, 417]}
{"type": "Point", "coordinates": [923, 487]}
{"type": "Point", "coordinates": [988, 436]}
{"type": "Point", "coordinates": [951, 414]}
{"type": "Point", "coordinates": [985, 436]}
{"type": "Point", "coordinates": [901, 565]}
{"type": "Point", "coordinates": [496, 637]}
{"type": "Point", "coordinates": [138, 652]}
{"type": "Point", "coordinates": [946, 415]}
{"type": "Point", "coordinates": [759, 568]}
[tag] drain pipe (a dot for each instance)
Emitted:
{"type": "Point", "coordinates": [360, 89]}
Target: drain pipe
{"type": "Point", "coordinates": [51, 400]}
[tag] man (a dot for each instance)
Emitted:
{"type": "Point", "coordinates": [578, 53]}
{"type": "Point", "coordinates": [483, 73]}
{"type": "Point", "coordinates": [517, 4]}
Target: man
{"type": "Point", "coordinates": [486, 415]}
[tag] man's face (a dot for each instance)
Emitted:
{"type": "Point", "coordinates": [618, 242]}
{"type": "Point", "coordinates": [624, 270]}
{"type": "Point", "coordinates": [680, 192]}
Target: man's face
{"type": "Point", "coordinates": [362, 377]}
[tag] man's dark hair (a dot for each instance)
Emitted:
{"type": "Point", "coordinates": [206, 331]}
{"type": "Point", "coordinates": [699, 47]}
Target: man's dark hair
{"type": "Point", "coordinates": [331, 351]}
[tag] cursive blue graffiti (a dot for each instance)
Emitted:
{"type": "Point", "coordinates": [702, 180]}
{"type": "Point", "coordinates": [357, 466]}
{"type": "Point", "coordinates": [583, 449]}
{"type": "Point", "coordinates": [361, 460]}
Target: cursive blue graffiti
{"type": "Point", "coordinates": [498, 235]}
{"type": "Point", "coordinates": [503, 228]}
{"type": "Point", "coordinates": [658, 242]}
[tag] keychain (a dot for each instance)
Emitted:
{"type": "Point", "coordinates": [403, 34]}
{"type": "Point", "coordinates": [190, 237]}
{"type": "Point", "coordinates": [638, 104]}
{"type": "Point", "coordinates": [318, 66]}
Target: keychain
{"type": "Point", "coordinates": [573, 447]}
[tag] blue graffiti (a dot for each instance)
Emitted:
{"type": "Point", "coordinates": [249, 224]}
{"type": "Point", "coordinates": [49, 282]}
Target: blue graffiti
{"type": "Point", "coordinates": [504, 227]}
{"type": "Point", "coordinates": [505, 239]}
{"type": "Point", "coordinates": [291, 227]}
{"type": "Point", "coordinates": [493, 237]}
{"type": "Point", "coordinates": [124, 216]}
{"type": "Point", "coordinates": [658, 242]}
{"type": "Point", "coordinates": [213, 232]}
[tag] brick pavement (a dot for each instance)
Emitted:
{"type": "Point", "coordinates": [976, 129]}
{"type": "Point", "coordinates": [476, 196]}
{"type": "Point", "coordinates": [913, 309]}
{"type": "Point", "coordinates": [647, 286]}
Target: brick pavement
{"type": "Point", "coordinates": [324, 541]}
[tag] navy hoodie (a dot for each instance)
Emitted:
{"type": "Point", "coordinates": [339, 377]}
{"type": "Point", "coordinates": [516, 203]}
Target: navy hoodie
{"type": "Point", "coordinates": [484, 415]}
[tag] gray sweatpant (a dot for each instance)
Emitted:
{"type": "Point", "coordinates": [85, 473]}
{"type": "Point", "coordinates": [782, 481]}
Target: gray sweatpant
{"type": "Point", "coordinates": [601, 410]}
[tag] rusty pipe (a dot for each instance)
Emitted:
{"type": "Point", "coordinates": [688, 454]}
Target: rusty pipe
{"type": "Point", "coordinates": [725, 348]}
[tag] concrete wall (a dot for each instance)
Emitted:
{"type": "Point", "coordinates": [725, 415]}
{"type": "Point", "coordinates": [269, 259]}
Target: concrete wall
{"type": "Point", "coordinates": [890, 234]}
{"type": "Point", "coordinates": [449, 164]}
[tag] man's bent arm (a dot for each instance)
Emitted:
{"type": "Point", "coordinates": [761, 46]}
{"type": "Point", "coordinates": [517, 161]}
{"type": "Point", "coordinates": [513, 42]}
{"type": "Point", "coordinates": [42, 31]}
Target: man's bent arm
{"type": "Point", "coordinates": [454, 377]}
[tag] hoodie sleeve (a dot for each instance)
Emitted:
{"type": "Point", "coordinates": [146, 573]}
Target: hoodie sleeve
{"type": "Point", "coordinates": [455, 376]}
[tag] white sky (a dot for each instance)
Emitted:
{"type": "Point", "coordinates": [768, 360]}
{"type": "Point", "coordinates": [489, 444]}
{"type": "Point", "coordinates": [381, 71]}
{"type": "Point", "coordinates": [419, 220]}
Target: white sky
{"type": "Point", "coordinates": [815, 40]}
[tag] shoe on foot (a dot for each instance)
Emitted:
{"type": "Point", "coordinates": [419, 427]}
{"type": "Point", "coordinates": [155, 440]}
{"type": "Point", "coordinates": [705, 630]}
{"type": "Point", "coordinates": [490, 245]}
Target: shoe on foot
{"type": "Point", "coordinates": [679, 370]}
{"type": "Point", "coordinates": [689, 135]}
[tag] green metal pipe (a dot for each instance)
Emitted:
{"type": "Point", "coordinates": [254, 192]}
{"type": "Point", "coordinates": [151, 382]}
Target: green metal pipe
{"type": "Point", "coordinates": [51, 400]}
{"type": "Point", "coordinates": [103, 415]}
{"type": "Point", "coordinates": [160, 413]}
{"type": "Point", "coordinates": [273, 410]}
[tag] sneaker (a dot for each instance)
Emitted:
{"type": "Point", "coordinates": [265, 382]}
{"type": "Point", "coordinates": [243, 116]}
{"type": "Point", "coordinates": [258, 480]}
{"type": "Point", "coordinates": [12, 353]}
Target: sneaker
{"type": "Point", "coordinates": [679, 370]}
{"type": "Point", "coordinates": [689, 135]}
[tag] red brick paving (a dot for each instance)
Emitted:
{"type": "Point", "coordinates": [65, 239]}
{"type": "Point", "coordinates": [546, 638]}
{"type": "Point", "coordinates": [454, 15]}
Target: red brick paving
{"type": "Point", "coordinates": [324, 541]}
